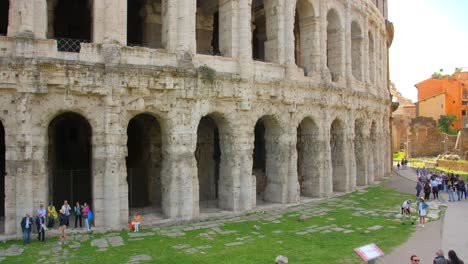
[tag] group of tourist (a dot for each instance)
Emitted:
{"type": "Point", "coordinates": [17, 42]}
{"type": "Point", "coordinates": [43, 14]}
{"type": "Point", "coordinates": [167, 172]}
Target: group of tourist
{"type": "Point", "coordinates": [435, 182]}
{"type": "Point", "coordinates": [62, 217]}
{"type": "Point", "coordinates": [440, 259]}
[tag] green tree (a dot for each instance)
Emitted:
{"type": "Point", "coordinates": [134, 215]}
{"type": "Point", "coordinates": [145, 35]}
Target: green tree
{"type": "Point", "coordinates": [445, 123]}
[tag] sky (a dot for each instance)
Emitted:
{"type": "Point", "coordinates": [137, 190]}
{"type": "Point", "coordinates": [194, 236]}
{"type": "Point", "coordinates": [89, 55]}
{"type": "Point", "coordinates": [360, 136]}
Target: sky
{"type": "Point", "coordinates": [429, 35]}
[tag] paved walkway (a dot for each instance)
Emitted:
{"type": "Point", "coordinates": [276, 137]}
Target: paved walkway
{"type": "Point", "coordinates": [451, 232]}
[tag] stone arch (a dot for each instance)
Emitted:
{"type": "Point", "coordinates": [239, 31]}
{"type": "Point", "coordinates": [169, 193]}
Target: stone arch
{"type": "Point", "coordinates": [371, 57]}
{"type": "Point", "coordinates": [337, 146]}
{"type": "Point", "coordinates": [144, 162]}
{"type": "Point", "coordinates": [208, 157]}
{"type": "Point", "coordinates": [4, 13]}
{"type": "Point", "coordinates": [360, 152]}
{"type": "Point", "coordinates": [305, 30]}
{"type": "Point", "coordinates": [208, 32]}
{"type": "Point", "coordinates": [356, 50]}
{"type": "Point", "coordinates": [144, 23]}
{"type": "Point", "coordinates": [308, 165]}
{"type": "Point", "coordinates": [70, 159]}
{"type": "Point", "coordinates": [373, 153]}
{"type": "Point", "coordinates": [266, 157]}
{"type": "Point", "coordinates": [334, 44]}
{"type": "Point", "coordinates": [70, 22]}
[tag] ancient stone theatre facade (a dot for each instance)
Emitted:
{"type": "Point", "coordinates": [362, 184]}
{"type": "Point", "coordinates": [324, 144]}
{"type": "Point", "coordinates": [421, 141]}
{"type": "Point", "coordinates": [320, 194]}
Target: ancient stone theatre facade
{"type": "Point", "coordinates": [185, 107]}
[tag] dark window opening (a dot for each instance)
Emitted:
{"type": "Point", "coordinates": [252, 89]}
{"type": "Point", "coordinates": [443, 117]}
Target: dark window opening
{"type": "Point", "coordinates": [135, 22]}
{"type": "Point", "coordinates": [4, 10]}
{"type": "Point", "coordinates": [207, 27]}
{"type": "Point", "coordinates": [463, 112]}
{"type": "Point", "coordinates": [71, 24]}
{"type": "Point", "coordinates": [297, 41]}
{"type": "Point", "coordinates": [259, 34]}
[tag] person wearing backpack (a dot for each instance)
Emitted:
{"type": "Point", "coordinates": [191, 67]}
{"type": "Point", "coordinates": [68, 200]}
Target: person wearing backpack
{"type": "Point", "coordinates": [86, 212]}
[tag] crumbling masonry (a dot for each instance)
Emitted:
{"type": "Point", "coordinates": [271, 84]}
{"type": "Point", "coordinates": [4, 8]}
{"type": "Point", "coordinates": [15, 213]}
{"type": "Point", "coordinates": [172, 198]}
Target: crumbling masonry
{"type": "Point", "coordinates": [183, 105]}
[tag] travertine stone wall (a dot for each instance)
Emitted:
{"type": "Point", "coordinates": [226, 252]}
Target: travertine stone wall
{"type": "Point", "coordinates": [323, 134]}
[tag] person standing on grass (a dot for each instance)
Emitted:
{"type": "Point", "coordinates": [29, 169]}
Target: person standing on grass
{"type": "Point", "coordinates": [85, 212]}
{"type": "Point", "coordinates": [51, 214]}
{"type": "Point", "coordinates": [26, 225]}
{"type": "Point", "coordinates": [62, 227]}
{"type": "Point", "coordinates": [405, 211]}
{"type": "Point", "coordinates": [453, 258]}
{"type": "Point", "coordinates": [136, 221]}
{"type": "Point", "coordinates": [77, 210]}
{"type": "Point", "coordinates": [422, 206]}
{"type": "Point", "coordinates": [40, 228]}
{"type": "Point", "coordinates": [66, 208]}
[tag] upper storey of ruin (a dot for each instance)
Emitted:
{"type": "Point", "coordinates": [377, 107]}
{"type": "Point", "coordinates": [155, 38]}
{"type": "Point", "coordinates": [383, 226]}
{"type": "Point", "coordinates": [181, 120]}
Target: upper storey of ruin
{"type": "Point", "coordinates": [342, 43]}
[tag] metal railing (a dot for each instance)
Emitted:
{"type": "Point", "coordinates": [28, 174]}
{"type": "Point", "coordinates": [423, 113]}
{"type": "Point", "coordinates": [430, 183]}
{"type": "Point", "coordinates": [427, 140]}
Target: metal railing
{"type": "Point", "coordinates": [70, 45]}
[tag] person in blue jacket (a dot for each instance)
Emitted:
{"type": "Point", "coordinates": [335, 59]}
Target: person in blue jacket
{"type": "Point", "coordinates": [422, 206]}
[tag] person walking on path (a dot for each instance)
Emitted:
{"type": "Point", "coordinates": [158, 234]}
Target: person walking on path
{"type": "Point", "coordinates": [419, 187]}
{"type": "Point", "coordinates": [77, 210]}
{"type": "Point", "coordinates": [422, 206]}
{"type": "Point", "coordinates": [453, 258]}
{"type": "Point", "coordinates": [26, 224]}
{"type": "Point", "coordinates": [451, 192]}
{"type": "Point", "coordinates": [405, 211]}
{"type": "Point", "coordinates": [136, 221]}
{"type": "Point", "coordinates": [414, 259]}
{"type": "Point", "coordinates": [62, 227]}
{"type": "Point", "coordinates": [398, 166]}
{"type": "Point", "coordinates": [40, 228]}
{"type": "Point", "coordinates": [439, 259]}
{"type": "Point", "coordinates": [51, 215]}
{"type": "Point", "coordinates": [435, 188]}
{"type": "Point", "coordinates": [427, 190]}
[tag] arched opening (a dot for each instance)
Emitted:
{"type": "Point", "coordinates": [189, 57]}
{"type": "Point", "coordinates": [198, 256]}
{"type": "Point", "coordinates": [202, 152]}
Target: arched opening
{"type": "Point", "coordinates": [208, 156]}
{"type": "Point", "coordinates": [356, 50]}
{"type": "Point", "coordinates": [359, 153]}
{"type": "Point", "coordinates": [144, 23]}
{"type": "Point", "coordinates": [372, 158]}
{"type": "Point", "coordinates": [208, 27]}
{"type": "Point", "coordinates": [144, 163]}
{"type": "Point", "coordinates": [334, 45]}
{"type": "Point", "coordinates": [308, 168]}
{"type": "Point", "coordinates": [371, 58]}
{"type": "Point", "coordinates": [69, 159]}
{"type": "Point", "coordinates": [2, 178]}
{"type": "Point", "coordinates": [259, 30]}
{"type": "Point", "coordinates": [4, 12]}
{"type": "Point", "coordinates": [267, 160]}
{"type": "Point", "coordinates": [69, 23]}
{"type": "Point", "coordinates": [337, 156]}
{"type": "Point", "coordinates": [304, 33]}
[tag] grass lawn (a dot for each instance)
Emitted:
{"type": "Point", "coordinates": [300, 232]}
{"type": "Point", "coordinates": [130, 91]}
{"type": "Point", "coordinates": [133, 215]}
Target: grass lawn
{"type": "Point", "coordinates": [329, 234]}
{"type": "Point", "coordinates": [398, 156]}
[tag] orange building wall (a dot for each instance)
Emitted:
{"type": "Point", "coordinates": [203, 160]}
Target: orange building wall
{"type": "Point", "coordinates": [452, 89]}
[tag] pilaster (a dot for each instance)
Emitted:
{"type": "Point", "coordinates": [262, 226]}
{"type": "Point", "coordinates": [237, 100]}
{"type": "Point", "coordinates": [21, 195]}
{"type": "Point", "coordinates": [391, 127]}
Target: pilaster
{"type": "Point", "coordinates": [110, 21]}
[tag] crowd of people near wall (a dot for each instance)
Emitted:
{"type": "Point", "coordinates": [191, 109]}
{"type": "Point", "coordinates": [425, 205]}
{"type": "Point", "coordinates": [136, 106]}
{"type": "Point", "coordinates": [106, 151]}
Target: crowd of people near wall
{"type": "Point", "coordinates": [48, 219]}
{"type": "Point", "coordinates": [434, 182]}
